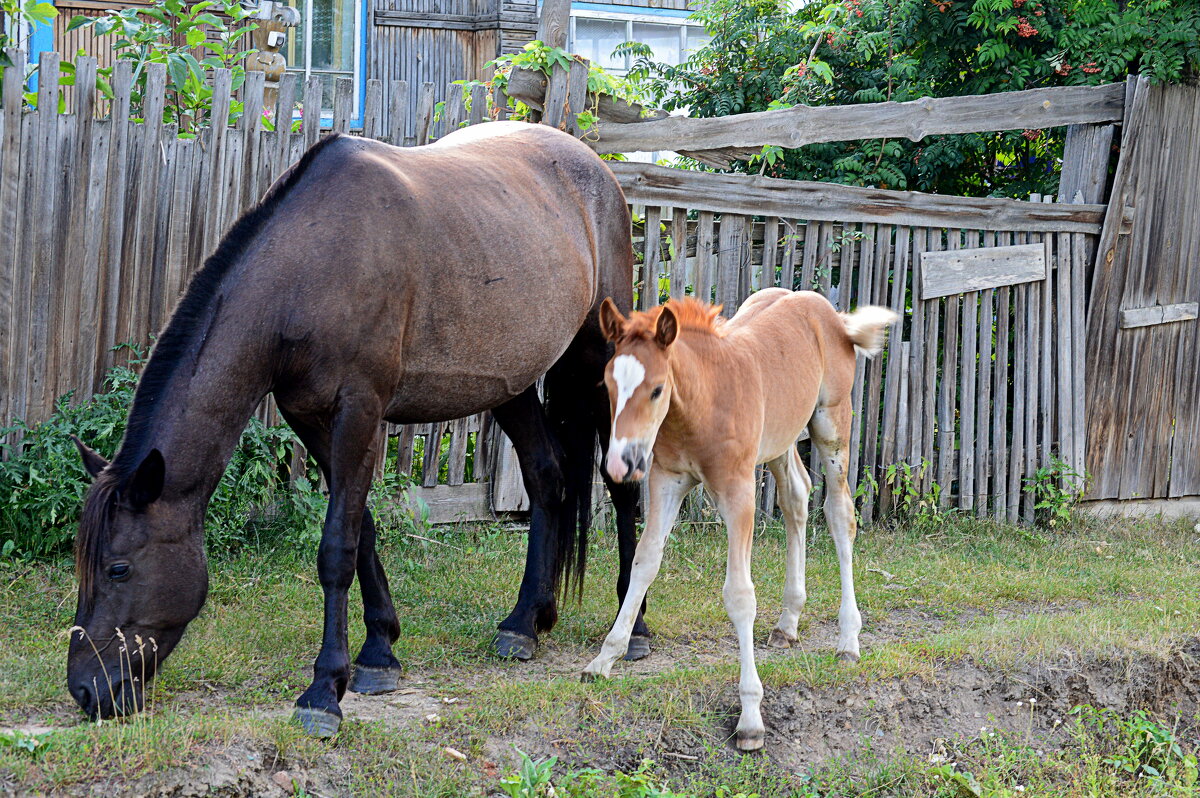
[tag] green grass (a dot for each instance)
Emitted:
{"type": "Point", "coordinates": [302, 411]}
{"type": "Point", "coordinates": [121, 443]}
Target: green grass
{"type": "Point", "coordinates": [999, 596]}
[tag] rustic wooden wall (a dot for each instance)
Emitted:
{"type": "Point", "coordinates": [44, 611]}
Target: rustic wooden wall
{"type": "Point", "coordinates": [1143, 394]}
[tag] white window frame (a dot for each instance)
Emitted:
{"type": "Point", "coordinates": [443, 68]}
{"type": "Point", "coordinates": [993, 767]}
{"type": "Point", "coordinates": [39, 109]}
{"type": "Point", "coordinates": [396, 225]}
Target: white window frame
{"type": "Point", "coordinates": [306, 27]}
{"type": "Point", "coordinates": [683, 24]}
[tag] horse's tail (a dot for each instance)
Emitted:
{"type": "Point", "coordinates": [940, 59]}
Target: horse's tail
{"type": "Point", "coordinates": [568, 407]}
{"type": "Point", "coordinates": [867, 328]}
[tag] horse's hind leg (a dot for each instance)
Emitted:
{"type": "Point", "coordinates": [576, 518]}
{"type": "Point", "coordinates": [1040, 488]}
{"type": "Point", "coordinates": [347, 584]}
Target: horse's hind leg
{"type": "Point", "coordinates": [354, 442]}
{"type": "Point", "coordinates": [830, 427]}
{"type": "Point", "coordinates": [541, 459]}
{"type": "Point", "coordinates": [794, 487]}
{"type": "Point", "coordinates": [376, 669]}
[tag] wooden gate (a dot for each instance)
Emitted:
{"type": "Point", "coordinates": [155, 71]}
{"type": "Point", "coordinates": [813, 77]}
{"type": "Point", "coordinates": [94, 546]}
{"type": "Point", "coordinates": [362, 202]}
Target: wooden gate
{"type": "Point", "coordinates": [1143, 392]}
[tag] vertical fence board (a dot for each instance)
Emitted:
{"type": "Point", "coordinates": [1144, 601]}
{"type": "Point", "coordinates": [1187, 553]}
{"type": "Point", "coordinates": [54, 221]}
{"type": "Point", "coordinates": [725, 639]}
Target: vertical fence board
{"type": "Point", "coordinates": [679, 243]}
{"type": "Point", "coordinates": [651, 259]}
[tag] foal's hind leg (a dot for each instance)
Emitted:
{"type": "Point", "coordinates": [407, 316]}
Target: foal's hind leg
{"type": "Point", "coordinates": [793, 488]}
{"type": "Point", "coordinates": [376, 669]}
{"type": "Point", "coordinates": [830, 427]}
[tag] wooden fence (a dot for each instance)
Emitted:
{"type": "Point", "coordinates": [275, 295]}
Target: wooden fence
{"type": "Point", "coordinates": [102, 220]}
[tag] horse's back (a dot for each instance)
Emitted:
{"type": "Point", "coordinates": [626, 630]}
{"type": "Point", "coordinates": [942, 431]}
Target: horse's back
{"type": "Point", "coordinates": [456, 273]}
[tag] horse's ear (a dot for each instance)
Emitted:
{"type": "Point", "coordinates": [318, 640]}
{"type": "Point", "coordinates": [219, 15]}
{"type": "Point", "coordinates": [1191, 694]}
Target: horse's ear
{"type": "Point", "coordinates": [92, 461]}
{"type": "Point", "coordinates": [146, 484]}
{"type": "Point", "coordinates": [667, 328]}
{"type": "Point", "coordinates": [612, 323]}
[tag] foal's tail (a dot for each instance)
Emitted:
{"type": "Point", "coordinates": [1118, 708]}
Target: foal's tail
{"type": "Point", "coordinates": [867, 328]}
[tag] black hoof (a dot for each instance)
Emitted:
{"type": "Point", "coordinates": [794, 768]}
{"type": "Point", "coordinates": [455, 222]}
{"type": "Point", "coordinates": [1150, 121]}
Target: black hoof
{"type": "Point", "coordinates": [511, 645]}
{"type": "Point", "coordinates": [317, 722]}
{"type": "Point", "coordinates": [374, 681]}
{"type": "Point", "coordinates": [639, 648]}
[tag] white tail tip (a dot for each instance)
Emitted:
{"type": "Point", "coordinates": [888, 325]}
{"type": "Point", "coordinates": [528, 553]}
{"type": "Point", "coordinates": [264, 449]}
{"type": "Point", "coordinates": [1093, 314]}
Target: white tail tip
{"type": "Point", "coordinates": [867, 328]}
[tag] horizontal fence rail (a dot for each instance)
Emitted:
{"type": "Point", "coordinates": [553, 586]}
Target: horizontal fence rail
{"type": "Point", "coordinates": [974, 392]}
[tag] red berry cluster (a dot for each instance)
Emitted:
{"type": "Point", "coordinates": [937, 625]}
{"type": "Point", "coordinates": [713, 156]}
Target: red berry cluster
{"type": "Point", "coordinates": [1024, 29]}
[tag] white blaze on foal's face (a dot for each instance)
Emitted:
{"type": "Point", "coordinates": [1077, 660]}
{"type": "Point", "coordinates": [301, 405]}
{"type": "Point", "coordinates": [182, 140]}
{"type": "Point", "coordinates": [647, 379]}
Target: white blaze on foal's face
{"type": "Point", "coordinates": [639, 395]}
{"type": "Point", "coordinates": [639, 389]}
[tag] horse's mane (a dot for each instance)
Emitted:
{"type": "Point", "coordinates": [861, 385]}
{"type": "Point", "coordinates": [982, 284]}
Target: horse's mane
{"type": "Point", "coordinates": [170, 349]}
{"type": "Point", "coordinates": [691, 313]}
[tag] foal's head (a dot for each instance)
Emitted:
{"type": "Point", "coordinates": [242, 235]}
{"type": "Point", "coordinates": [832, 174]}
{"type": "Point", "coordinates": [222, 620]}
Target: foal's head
{"type": "Point", "coordinates": [639, 377]}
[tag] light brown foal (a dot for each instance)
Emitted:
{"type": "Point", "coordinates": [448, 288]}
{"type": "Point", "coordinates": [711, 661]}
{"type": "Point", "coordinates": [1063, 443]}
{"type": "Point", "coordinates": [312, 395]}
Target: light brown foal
{"type": "Point", "coordinates": [698, 400]}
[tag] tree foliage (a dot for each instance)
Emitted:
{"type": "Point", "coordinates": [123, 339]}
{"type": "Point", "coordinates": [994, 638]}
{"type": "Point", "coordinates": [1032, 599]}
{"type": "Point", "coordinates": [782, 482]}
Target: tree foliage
{"type": "Point", "coordinates": [763, 55]}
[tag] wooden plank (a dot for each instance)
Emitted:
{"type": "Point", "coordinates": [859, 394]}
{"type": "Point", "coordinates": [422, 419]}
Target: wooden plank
{"type": "Point", "coordinates": [705, 259]}
{"type": "Point", "coordinates": [679, 259]}
{"type": "Point", "coordinates": [651, 259]}
{"type": "Point", "coordinates": [450, 504]}
{"type": "Point", "coordinates": [919, 339]}
{"type": "Point", "coordinates": [969, 369]}
{"type": "Point", "coordinates": [373, 109]}
{"type": "Point", "coordinates": [893, 446]}
{"type": "Point", "coordinates": [947, 395]}
{"type": "Point", "coordinates": [927, 385]}
{"type": "Point", "coordinates": [43, 261]}
{"type": "Point", "coordinates": [1046, 387]}
{"type": "Point", "coordinates": [10, 215]}
{"type": "Point", "coordinates": [457, 460]}
{"type": "Point", "coordinates": [555, 112]}
{"type": "Point", "coordinates": [310, 127]}
{"type": "Point", "coordinates": [1084, 170]}
{"type": "Point", "coordinates": [425, 103]}
{"type": "Point", "coordinates": [343, 104]}
{"type": "Point", "coordinates": [479, 103]}
{"type": "Point", "coordinates": [801, 125]}
{"type": "Point", "coordinates": [398, 114]}
{"type": "Point", "coordinates": [577, 95]}
{"type": "Point", "coordinates": [1064, 377]}
{"type": "Point", "coordinates": [957, 272]}
{"type": "Point", "coordinates": [554, 23]}
{"type": "Point", "coordinates": [1158, 314]}
{"type": "Point", "coordinates": [873, 398]}
{"type": "Point", "coordinates": [1079, 262]}
{"type": "Point", "coordinates": [863, 273]}
{"type": "Point", "coordinates": [765, 277]}
{"type": "Point", "coordinates": [1132, 132]}
{"type": "Point", "coordinates": [431, 462]}
{"type": "Point", "coordinates": [114, 221]}
{"type": "Point", "coordinates": [985, 500]}
{"type": "Point", "coordinates": [285, 102]}
{"type": "Point", "coordinates": [730, 252]}
{"type": "Point", "coordinates": [791, 244]}
{"type": "Point", "coordinates": [753, 195]}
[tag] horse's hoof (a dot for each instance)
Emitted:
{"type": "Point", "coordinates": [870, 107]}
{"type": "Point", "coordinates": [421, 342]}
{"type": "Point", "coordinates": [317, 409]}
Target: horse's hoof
{"type": "Point", "coordinates": [780, 639]}
{"type": "Point", "coordinates": [750, 741]}
{"type": "Point", "coordinates": [317, 722]}
{"type": "Point", "coordinates": [374, 681]}
{"type": "Point", "coordinates": [847, 658]}
{"type": "Point", "coordinates": [639, 648]}
{"type": "Point", "coordinates": [587, 677]}
{"type": "Point", "coordinates": [511, 645]}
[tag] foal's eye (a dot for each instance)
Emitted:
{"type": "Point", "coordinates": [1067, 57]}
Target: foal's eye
{"type": "Point", "coordinates": [118, 571]}
{"type": "Point", "coordinates": [657, 392]}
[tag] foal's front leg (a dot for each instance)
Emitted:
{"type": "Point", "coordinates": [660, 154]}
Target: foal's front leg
{"type": "Point", "coordinates": [667, 492]}
{"type": "Point", "coordinates": [735, 500]}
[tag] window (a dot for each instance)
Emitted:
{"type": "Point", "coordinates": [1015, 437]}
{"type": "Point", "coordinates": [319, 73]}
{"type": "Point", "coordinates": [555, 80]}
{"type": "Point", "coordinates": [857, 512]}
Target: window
{"type": "Point", "coordinates": [595, 34]}
{"type": "Point", "coordinates": [328, 44]}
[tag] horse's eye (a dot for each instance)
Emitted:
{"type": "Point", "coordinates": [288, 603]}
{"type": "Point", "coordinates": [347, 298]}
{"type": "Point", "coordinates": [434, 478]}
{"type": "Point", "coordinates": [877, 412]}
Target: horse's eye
{"type": "Point", "coordinates": [118, 571]}
{"type": "Point", "coordinates": [657, 392]}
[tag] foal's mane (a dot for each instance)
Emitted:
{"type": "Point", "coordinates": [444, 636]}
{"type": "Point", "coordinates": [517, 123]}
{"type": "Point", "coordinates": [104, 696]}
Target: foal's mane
{"type": "Point", "coordinates": [690, 313]}
{"type": "Point", "coordinates": [171, 348]}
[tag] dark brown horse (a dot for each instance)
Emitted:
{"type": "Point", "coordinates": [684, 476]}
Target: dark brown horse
{"type": "Point", "coordinates": [370, 283]}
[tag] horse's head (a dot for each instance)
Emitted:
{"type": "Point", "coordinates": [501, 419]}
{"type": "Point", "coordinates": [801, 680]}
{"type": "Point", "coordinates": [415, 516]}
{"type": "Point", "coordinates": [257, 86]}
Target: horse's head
{"type": "Point", "coordinates": [639, 386]}
{"type": "Point", "coordinates": [142, 578]}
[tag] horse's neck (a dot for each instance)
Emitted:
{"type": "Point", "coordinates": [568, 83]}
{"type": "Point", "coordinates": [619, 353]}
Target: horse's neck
{"type": "Point", "coordinates": [200, 416]}
{"type": "Point", "coordinates": [692, 371]}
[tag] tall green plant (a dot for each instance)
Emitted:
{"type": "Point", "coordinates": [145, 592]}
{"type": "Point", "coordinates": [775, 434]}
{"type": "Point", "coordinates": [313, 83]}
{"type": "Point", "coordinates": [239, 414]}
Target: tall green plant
{"type": "Point", "coordinates": [172, 32]}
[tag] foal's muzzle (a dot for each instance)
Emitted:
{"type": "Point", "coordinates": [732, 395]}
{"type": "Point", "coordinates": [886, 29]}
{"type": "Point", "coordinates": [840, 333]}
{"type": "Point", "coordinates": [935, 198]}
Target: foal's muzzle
{"type": "Point", "coordinates": [629, 464]}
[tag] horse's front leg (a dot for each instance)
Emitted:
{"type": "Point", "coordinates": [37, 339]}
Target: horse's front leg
{"type": "Point", "coordinates": [353, 451]}
{"type": "Point", "coordinates": [540, 455]}
{"type": "Point", "coordinates": [666, 495]}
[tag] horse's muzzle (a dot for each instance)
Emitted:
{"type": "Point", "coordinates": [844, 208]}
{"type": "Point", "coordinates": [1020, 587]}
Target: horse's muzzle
{"type": "Point", "coordinates": [630, 465]}
{"type": "Point", "coordinates": [123, 697]}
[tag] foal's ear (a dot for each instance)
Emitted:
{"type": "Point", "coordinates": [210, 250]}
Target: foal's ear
{"type": "Point", "coordinates": [612, 323]}
{"type": "Point", "coordinates": [146, 484]}
{"type": "Point", "coordinates": [93, 463]}
{"type": "Point", "coordinates": [667, 328]}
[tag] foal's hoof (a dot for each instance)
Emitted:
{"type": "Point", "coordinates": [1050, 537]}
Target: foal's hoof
{"type": "Point", "coordinates": [511, 645]}
{"type": "Point", "coordinates": [317, 722]}
{"type": "Point", "coordinates": [639, 648]}
{"type": "Point", "coordinates": [847, 658]}
{"type": "Point", "coordinates": [750, 741]}
{"type": "Point", "coordinates": [587, 677]}
{"type": "Point", "coordinates": [374, 681]}
{"type": "Point", "coordinates": [780, 639]}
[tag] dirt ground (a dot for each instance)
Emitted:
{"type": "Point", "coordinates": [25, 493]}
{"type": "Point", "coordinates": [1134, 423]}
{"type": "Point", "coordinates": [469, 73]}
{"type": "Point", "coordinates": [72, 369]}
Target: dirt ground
{"type": "Point", "coordinates": [805, 726]}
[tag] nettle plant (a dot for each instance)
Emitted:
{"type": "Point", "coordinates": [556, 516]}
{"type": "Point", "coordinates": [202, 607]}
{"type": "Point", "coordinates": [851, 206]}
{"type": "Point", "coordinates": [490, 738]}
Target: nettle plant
{"type": "Point", "coordinates": [191, 40]}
